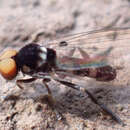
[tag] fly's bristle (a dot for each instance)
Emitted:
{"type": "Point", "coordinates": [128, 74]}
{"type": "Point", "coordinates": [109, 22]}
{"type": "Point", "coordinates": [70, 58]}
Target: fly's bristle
{"type": "Point", "coordinates": [8, 68]}
{"type": "Point", "coordinates": [8, 54]}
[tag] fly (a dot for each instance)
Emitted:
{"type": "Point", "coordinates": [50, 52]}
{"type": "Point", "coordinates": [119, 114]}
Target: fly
{"type": "Point", "coordinates": [49, 63]}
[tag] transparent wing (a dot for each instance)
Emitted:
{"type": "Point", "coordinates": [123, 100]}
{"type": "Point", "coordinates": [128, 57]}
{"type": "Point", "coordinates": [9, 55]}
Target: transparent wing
{"type": "Point", "coordinates": [96, 44]}
{"type": "Point", "coordinates": [94, 38]}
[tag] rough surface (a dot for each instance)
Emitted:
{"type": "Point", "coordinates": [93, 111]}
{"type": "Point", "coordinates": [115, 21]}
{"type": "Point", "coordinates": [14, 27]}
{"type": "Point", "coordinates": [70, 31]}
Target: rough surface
{"type": "Point", "coordinates": [20, 22]}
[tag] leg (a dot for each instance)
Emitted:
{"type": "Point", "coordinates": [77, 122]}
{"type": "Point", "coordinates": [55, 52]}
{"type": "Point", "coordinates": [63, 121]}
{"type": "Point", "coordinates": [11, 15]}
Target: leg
{"type": "Point", "coordinates": [51, 101]}
{"type": "Point", "coordinates": [48, 89]}
{"type": "Point", "coordinates": [71, 52]}
{"type": "Point", "coordinates": [102, 106]}
{"type": "Point", "coordinates": [49, 97]}
{"type": "Point", "coordinates": [18, 82]}
{"type": "Point", "coordinates": [83, 53]}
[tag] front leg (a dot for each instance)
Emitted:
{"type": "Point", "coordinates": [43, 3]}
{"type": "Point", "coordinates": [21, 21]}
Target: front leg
{"type": "Point", "coordinates": [49, 98]}
{"type": "Point", "coordinates": [20, 81]}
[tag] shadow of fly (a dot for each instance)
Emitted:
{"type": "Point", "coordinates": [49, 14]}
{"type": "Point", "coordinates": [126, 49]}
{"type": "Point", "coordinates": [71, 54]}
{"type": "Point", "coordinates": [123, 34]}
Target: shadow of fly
{"type": "Point", "coordinates": [45, 63]}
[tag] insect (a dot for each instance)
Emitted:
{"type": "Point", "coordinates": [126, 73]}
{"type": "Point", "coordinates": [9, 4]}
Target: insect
{"type": "Point", "coordinates": [46, 63]}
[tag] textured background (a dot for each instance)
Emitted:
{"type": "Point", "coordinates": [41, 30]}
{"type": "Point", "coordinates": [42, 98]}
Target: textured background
{"type": "Point", "coordinates": [20, 21]}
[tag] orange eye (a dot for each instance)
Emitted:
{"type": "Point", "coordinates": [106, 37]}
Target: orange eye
{"type": "Point", "coordinates": [8, 68]}
{"type": "Point", "coordinates": [8, 54]}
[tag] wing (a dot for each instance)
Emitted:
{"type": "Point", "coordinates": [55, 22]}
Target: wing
{"type": "Point", "coordinates": [97, 46]}
{"type": "Point", "coordinates": [95, 43]}
{"type": "Point", "coordinates": [93, 39]}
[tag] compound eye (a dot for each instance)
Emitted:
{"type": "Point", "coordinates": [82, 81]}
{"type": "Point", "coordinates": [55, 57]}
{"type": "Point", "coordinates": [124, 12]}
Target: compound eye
{"type": "Point", "coordinates": [8, 68]}
{"type": "Point", "coordinates": [8, 54]}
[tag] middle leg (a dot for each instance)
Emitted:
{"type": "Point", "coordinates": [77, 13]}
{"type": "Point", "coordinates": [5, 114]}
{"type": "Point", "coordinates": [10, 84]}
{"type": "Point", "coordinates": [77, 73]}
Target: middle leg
{"type": "Point", "coordinates": [51, 101]}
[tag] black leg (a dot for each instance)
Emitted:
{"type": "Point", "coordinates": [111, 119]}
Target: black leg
{"type": "Point", "coordinates": [102, 106]}
{"type": "Point", "coordinates": [20, 81]}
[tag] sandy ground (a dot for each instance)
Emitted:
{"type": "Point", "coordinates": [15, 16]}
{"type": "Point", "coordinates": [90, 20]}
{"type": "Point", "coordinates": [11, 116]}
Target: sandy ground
{"type": "Point", "coordinates": [21, 21]}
